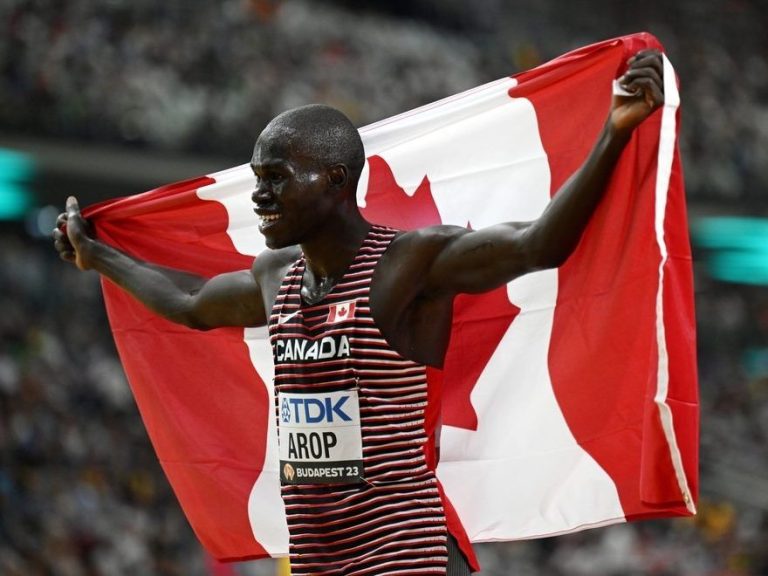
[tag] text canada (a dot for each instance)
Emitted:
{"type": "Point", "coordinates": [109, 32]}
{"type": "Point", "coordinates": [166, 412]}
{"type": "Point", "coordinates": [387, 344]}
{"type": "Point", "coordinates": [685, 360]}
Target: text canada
{"type": "Point", "coordinates": [306, 350]}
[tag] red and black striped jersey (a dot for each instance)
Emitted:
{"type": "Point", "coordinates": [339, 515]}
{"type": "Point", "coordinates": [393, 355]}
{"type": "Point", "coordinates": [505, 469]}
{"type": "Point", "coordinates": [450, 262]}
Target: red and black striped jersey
{"type": "Point", "coordinates": [388, 519]}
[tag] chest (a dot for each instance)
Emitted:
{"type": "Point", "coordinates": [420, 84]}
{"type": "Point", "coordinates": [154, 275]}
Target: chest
{"type": "Point", "coordinates": [372, 293]}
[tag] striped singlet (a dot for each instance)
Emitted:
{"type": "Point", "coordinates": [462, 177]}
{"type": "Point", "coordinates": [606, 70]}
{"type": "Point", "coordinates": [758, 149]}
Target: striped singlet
{"type": "Point", "coordinates": [392, 521]}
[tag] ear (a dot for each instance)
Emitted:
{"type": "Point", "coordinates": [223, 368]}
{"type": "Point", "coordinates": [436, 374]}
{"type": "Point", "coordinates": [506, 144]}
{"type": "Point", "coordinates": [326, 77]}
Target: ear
{"type": "Point", "coordinates": [338, 175]}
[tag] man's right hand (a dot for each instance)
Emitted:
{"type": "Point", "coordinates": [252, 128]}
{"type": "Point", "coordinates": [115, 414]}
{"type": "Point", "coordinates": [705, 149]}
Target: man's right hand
{"type": "Point", "coordinates": [228, 299]}
{"type": "Point", "coordinates": [71, 237]}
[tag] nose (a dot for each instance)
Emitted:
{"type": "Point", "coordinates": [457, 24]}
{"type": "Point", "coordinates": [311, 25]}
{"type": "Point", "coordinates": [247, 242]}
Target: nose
{"type": "Point", "coordinates": [261, 192]}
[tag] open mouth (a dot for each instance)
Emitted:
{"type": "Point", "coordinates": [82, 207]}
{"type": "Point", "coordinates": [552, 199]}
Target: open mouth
{"type": "Point", "coordinates": [268, 218]}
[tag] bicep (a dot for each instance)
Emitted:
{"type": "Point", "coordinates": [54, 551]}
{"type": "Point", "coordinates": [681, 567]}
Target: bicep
{"type": "Point", "coordinates": [475, 261]}
{"type": "Point", "coordinates": [230, 299]}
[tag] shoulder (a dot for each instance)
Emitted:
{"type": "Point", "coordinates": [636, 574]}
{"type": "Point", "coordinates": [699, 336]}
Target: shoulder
{"type": "Point", "coordinates": [429, 237]}
{"type": "Point", "coordinates": [411, 254]}
{"type": "Point", "coordinates": [274, 262]}
{"type": "Point", "coordinates": [423, 244]}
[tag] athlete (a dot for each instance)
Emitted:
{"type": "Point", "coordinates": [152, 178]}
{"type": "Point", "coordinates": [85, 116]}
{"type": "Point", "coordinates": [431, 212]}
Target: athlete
{"type": "Point", "coordinates": [356, 312]}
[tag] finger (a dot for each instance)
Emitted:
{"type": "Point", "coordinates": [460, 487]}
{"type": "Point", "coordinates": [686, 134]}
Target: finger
{"type": "Point", "coordinates": [647, 59]}
{"type": "Point", "coordinates": [648, 52]}
{"type": "Point", "coordinates": [649, 90]}
{"type": "Point", "coordinates": [641, 73]}
{"type": "Point", "coordinates": [68, 256]}
{"type": "Point", "coordinates": [61, 221]}
{"type": "Point", "coordinates": [75, 223]}
{"type": "Point", "coordinates": [63, 244]}
{"type": "Point", "coordinates": [72, 206]}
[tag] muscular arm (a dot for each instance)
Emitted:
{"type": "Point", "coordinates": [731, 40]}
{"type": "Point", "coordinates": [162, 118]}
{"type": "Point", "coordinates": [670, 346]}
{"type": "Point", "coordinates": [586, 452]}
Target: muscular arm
{"type": "Point", "coordinates": [232, 299]}
{"type": "Point", "coordinates": [477, 261]}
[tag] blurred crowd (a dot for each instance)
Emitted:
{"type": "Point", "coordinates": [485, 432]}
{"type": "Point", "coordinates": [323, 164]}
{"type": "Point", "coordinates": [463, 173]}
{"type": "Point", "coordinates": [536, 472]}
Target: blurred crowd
{"type": "Point", "coordinates": [206, 76]}
{"type": "Point", "coordinates": [81, 492]}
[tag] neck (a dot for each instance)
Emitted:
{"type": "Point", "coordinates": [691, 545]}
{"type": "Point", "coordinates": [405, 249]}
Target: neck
{"type": "Point", "coordinates": [329, 253]}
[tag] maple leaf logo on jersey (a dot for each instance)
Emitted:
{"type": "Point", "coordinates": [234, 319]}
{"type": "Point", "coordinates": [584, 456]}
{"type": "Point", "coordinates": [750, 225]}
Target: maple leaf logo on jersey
{"type": "Point", "coordinates": [341, 312]}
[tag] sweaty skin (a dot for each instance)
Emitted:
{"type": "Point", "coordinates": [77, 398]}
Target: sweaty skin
{"type": "Point", "coordinates": [306, 198]}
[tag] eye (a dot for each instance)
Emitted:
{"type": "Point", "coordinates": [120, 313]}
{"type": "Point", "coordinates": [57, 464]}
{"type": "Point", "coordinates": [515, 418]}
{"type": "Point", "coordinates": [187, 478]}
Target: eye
{"type": "Point", "coordinates": [274, 177]}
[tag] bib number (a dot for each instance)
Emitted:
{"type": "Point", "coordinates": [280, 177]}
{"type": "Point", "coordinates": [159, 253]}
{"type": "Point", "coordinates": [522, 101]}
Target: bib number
{"type": "Point", "coordinates": [320, 438]}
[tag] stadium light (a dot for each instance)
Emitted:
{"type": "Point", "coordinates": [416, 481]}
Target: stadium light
{"type": "Point", "coordinates": [736, 248]}
{"type": "Point", "coordinates": [16, 170]}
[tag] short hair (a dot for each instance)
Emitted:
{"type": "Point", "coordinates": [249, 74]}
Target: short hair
{"type": "Point", "coordinates": [324, 133]}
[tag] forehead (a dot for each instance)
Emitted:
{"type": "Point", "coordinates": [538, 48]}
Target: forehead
{"type": "Point", "coordinates": [269, 149]}
{"type": "Point", "coordinates": [281, 145]}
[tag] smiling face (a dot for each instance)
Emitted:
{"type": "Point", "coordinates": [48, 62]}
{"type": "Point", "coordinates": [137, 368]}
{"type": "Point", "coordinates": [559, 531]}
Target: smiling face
{"type": "Point", "coordinates": [295, 161]}
{"type": "Point", "coordinates": [291, 193]}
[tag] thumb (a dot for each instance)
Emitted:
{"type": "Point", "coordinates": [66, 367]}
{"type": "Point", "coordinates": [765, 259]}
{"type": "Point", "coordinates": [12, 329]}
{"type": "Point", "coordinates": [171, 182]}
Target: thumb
{"type": "Point", "coordinates": [75, 223]}
{"type": "Point", "coordinates": [72, 207]}
{"type": "Point", "coordinates": [76, 231]}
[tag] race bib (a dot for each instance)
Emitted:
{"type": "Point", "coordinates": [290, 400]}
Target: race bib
{"type": "Point", "coordinates": [320, 438]}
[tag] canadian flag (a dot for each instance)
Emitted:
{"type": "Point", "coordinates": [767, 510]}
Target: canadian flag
{"type": "Point", "coordinates": [341, 311]}
{"type": "Point", "coordinates": [569, 395]}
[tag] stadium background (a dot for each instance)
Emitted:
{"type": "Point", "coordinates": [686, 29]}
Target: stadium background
{"type": "Point", "coordinates": [112, 97]}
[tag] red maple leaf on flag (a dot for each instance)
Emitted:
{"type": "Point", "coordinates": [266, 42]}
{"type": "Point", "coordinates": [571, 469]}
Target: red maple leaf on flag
{"type": "Point", "coordinates": [479, 320]}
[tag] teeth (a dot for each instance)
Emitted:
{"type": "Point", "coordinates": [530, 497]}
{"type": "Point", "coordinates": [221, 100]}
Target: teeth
{"type": "Point", "coordinates": [270, 217]}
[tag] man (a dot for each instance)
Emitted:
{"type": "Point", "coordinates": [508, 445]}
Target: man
{"type": "Point", "coordinates": [356, 312]}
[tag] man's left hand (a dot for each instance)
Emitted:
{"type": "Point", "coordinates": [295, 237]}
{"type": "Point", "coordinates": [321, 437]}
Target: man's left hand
{"type": "Point", "coordinates": [644, 80]}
